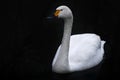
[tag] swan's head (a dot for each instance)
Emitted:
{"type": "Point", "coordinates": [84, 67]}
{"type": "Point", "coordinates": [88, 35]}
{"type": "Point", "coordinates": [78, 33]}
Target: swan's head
{"type": "Point", "coordinates": [63, 12]}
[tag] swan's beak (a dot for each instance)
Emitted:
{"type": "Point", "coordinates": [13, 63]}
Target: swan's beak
{"type": "Point", "coordinates": [57, 13]}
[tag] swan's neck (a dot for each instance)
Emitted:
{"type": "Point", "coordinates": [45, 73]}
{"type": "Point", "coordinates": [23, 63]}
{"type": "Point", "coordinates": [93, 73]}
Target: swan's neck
{"type": "Point", "coordinates": [67, 33]}
{"type": "Point", "coordinates": [66, 39]}
{"type": "Point", "coordinates": [62, 59]}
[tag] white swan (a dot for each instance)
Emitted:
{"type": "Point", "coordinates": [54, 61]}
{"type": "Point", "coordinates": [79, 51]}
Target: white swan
{"type": "Point", "coordinates": [76, 52]}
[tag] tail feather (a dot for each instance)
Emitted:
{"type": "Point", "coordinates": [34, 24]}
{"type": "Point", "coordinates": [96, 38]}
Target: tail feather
{"type": "Point", "coordinates": [102, 43]}
{"type": "Point", "coordinates": [102, 46]}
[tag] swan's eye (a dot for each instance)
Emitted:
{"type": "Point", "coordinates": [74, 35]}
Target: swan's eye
{"type": "Point", "coordinates": [61, 9]}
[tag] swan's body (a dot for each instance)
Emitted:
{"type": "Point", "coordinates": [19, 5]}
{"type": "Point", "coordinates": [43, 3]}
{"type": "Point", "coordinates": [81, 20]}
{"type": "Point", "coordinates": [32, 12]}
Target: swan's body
{"type": "Point", "coordinates": [76, 52]}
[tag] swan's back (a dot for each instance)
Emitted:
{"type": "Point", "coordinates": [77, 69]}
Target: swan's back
{"type": "Point", "coordinates": [86, 51]}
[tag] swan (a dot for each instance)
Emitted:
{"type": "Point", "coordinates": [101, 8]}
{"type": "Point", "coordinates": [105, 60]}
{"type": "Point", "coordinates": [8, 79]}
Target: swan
{"type": "Point", "coordinates": [76, 52]}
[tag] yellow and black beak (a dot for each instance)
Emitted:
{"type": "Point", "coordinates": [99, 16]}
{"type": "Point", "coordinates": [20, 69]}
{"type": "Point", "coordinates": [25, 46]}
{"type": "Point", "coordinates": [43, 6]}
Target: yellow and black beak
{"type": "Point", "coordinates": [57, 12]}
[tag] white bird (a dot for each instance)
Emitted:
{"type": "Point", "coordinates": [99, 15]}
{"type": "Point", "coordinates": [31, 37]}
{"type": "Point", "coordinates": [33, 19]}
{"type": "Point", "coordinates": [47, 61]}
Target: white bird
{"type": "Point", "coordinates": [77, 52]}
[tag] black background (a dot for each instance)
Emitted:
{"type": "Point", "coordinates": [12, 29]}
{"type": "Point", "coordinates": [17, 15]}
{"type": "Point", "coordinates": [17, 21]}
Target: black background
{"type": "Point", "coordinates": [28, 41]}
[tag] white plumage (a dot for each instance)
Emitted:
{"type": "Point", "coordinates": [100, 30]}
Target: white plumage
{"type": "Point", "coordinates": [76, 52]}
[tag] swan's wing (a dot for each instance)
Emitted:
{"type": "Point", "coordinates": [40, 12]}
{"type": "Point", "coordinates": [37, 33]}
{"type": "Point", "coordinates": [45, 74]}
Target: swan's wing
{"type": "Point", "coordinates": [84, 45]}
{"type": "Point", "coordinates": [84, 51]}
